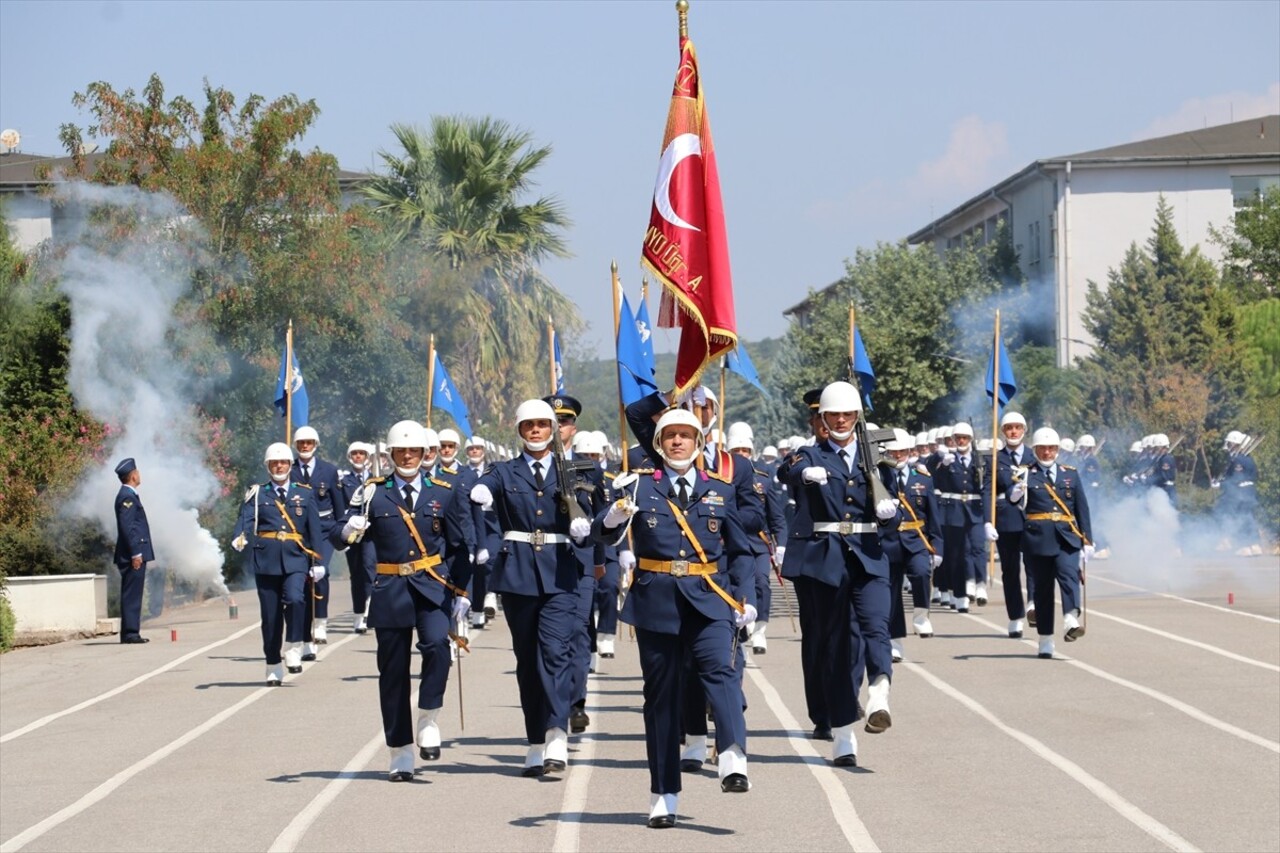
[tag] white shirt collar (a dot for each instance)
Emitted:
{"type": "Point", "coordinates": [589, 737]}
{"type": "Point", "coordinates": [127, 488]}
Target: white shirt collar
{"type": "Point", "coordinates": [416, 482]}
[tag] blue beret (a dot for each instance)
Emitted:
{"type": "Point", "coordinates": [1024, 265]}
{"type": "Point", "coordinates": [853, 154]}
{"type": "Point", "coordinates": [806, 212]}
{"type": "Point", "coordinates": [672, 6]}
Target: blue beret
{"type": "Point", "coordinates": [125, 466]}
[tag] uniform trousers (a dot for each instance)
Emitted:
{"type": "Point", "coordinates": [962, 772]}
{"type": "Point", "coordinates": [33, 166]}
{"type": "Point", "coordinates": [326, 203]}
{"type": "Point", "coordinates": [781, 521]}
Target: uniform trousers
{"type": "Point", "coordinates": [764, 592]}
{"type": "Point", "coordinates": [280, 603]}
{"type": "Point", "coordinates": [963, 549]}
{"type": "Point", "coordinates": [543, 630]}
{"type": "Point", "coordinates": [363, 570]}
{"type": "Point", "coordinates": [131, 583]}
{"type": "Point", "coordinates": [916, 568]}
{"type": "Point", "coordinates": [1064, 567]}
{"type": "Point", "coordinates": [479, 586]}
{"type": "Point", "coordinates": [1009, 547]}
{"type": "Point", "coordinates": [707, 643]}
{"type": "Point", "coordinates": [583, 636]}
{"type": "Point", "coordinates": [319, 607]}
{"type": "Point", "coordinates": [395, 653]}
{"type": "Point", "coordinates": [607, 599]}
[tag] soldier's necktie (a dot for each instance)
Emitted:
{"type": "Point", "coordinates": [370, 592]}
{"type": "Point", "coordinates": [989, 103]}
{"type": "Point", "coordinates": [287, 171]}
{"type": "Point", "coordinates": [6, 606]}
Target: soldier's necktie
{"type": "Point", "coordinates": [538, 479]}
{"type": "Point", "coordinates": [280, 493]}
{"type": "Point", "coordinates": [682, 492]}
{"type": "Point", "coordinates": [408, 496]}
{"type": "Point", "coordinates": [846, 459]}
{"type": "Point", "coordinates": [902, 481]}
{"type": "Point", "coordinates": [306, 473]}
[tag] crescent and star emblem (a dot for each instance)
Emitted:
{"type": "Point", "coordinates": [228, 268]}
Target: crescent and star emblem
{"type": "Point", "coordinates": [682, 146]}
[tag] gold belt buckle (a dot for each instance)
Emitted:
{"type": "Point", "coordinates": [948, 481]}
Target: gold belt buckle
{"type": "Point", "coordinates": [407, 569]}
{"type": "Point", "coordinates": [846, 527]}
{"type": "Point", "coordinates": [679, 568]}
{"type": "Point", "coordinates": [537, 538]}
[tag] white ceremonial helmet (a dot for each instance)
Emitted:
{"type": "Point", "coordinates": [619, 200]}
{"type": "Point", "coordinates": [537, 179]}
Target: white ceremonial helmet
{"type": "Point", "coordinates": [902, 440]}
{"type": "Point", "coordinates": [406, 434]}
{"type": "Point", "coordinates": [306, 433]}
{"type": "Point", "coordinates": [740, 436]}
{"type": "Point", "coordinates": [1045, 437]}
{"type": "Point", "coordinates": [432, 438]}
{"type": "Point", "coordinates": [1067, 445]}
{"type": "Point", "coordinates": [839, 397]}
{"type": "Point", "coordinates": [587, 441]}
{"type": "Point", "coordinates": [449, 435]}
{"type": "Point", "coordinates": [534, 410]}
{"type": "Point", "coordinates": [1136, 447]}
{"type": "Point", "coordinates": [673, 417]}
{"type": "Point", "coordinates": [278, 452]}
{"type": "Point", "coordinates": [1012, 418]}
{"type": "Point", "coordinates": [769, 453]}
{"type": "Point", "coordinates": [1086, 441]}
{"type": "Point", "coordinates": [1233, 437]}
{"type": "Point", "coordinates": [962, 428]}
{"type": "Point", "coordinates": [1159, 440]}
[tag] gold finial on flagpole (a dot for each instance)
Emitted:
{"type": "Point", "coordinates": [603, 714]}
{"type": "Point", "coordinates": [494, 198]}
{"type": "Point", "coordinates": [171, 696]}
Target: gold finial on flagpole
{"type": "Point", "coordinates": [682, 9]}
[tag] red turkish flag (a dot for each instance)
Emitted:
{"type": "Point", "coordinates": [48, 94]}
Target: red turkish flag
{"type": "Point", "coordinates": [686, 247]}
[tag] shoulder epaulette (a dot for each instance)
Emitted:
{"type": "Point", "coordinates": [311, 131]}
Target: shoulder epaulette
{"type": "Point", "coordinates": [761, 473]}
{"type": "Point", "coordinates": [609, 475]}
{"type": "Point", "coordinates": [716, 475]}
{"type": "Point", "coordinates": [251, 492]}
{"type": "Point", "coordinates": [303, 485]}
{"type": "Point", "coordinates": [1067, 467]}
{"type": "Point", "coordinates": [639, 471]}
{"type": "Point", "coordinates": [924, 474]}
{"type": "Point", "coordinates": [444, 483]}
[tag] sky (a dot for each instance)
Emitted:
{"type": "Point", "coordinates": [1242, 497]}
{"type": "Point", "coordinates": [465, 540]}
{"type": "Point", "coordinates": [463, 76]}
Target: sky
{"type": "Point", "coordinates": [837, 125]}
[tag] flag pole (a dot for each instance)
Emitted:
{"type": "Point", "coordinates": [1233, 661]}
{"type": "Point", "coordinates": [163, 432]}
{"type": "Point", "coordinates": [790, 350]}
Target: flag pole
{"type": "Point", "coordinates": [617, 325]}
{"type": "Point", "coordinates": [995, 436]}
{"type": "Point", "coordinates": [551, 353]}
{"type": "Point", "coordinates": [288, 384]}
{"type": "Point", "coordinates": [724, 365]}
{"type": "Point", "coordinates": [431, 374]}
{"type": "Point", "coordinates": [853, 377]}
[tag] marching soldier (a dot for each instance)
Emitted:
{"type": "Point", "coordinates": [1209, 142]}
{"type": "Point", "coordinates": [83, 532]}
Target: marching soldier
{"type": "Point", "coordinates": [281, 520]}
{"type": "Point", "coordinates": [590, 445]}
{"type": "Point", "coordinates": [1011, 465]}
{"type": "Point", "coordinates": [914, 547]}
{"type": "Point", "coordinates": [1057, 537]}
{"type": "Point", "coordinates": [415, 527]}
{"type": "Point", "coordinates": [841, 576]}
{"type": "Point", "coordinates": [537, 576]}
{"type": "Point", "coordinates": [488, 539]}
{"type": "Point", "coordinates": [363, 571]}
{"type": "Point", "coordinates": [321, 476]}
{"type": "Point", "coordinates": [1239, 499]}
{"type": "Point", "coordinates": [684, 522]}
{"type": "Point", "coordinates": [768, 545]}
{"type": "Point", "coordinates": [963, 502]}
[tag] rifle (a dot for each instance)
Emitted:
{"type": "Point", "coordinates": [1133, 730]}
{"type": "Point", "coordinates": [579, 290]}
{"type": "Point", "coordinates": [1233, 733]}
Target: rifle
{"type": "Point", "coordinates": [566, 473]}
{"type": "Point", "coordinates": [867, 440]}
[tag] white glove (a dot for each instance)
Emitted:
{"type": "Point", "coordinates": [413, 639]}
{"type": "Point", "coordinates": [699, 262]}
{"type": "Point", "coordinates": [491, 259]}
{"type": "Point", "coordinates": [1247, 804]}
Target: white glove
{"type": "Point", "coordinates": [480, 494]}
{"type": "Point", "coordinates": [580, 529]}
{"type": "Point", "coordinates": [482, 556]}
{"type": "Point", "coordinates": [239, 542]}
{"type": "Point", "coordinates": [317, 573]}
{"type": "Point", "coordinates": [936, 559]}
{"type": "Point", "coordinates": [992, 533]}
{"type": "Point", "coordinates": [1128, 479]}
{"type": "Point", "coordinates": [1016, 493]}
{"type": "Point", "coordinates": [461, 607]}
{"type": "Point", "coordinates": [1216, 484]}
{"type": "Point", "coordinates": [626, 560]}
{"type": "Point", "coordinates": [746, 617]}
{"type": "Point", "coordinates": [354, 525]}
{"type": "Point", "coordinates": [948, 458]}
{"type": "Point", "coordinates": [779, 554]}
{"type": "Point", "coordinates": [619, 512]}
{"type": "Point", "coordinates": [886, 509]}
{"type": "Point", "coordinates": [1088, 552]}
{"type": "Point", "coordinates": [814, 474]}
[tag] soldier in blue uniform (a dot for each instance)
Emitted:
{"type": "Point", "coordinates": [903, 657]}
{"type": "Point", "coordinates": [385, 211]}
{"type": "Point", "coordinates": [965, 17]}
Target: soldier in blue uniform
{"type": "Point", "coordinates": [841, 576]}
{"type": "Point", "coordinates": [914, 547]}
{"type": "Point", "coordinates": [964, 503]}
{"type": "Point", "coordinates": [484, 534]}
{"type": "Point", "coordinates": [537, 573]}
{"type": "Point", "coordinates": [321, 476]}
{"type": "Point", "coordinates": [488, 538]}
{"type": "Point", "coordinates": [415, 528]}
{"type": "Point", "coordinates": [1011, 463]}
{"type": "Point", "coordinates": [1162, 469]}
{"type": "Point", "coordinates": [279, 524]}
{"type": "Point", "coordinates": [133, 550]}
{"type": "Point", "coordinates": [591, 445]}
{"type": "Point", "coordinates": [1239, 501]}
{"type": "Point", "coordinates": [1057, 536]}
{"type": "Point", "coordinates": [686, 534]}
{"type": "Point", "coordinates": [768, 545]}
{"type": "Point", "coordinates": [351, 483]}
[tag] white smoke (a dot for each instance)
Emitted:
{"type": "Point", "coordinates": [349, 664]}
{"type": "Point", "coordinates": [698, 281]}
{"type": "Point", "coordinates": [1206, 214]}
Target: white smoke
{"type": "Point", "coordinates": [124, 371]}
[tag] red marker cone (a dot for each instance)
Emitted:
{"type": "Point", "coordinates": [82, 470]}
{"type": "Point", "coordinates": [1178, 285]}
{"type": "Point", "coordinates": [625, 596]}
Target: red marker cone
{"type": "Point", "coordinates": [1231, 598]}
{"type": "Point", "coordinates": [173, 635]}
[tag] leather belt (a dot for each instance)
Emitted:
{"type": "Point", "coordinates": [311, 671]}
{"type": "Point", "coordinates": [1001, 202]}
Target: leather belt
{"type": "Point", "coordinates": [537, 537]}
{"type": "Point", "coordinates": [405, 569]}
{"type": "Point", "coordinates": [1049, 516]}
{"type": "Point", "coordinates": [676, 568]}
{"type": "Point", "coordinates": [960, 496]}
{"type": "Point", "coordinates": [1245, 483]}
{"type": "Point", "coordinates": [282, 535]}
{"type": "Point", "coordinates": [844, 528]}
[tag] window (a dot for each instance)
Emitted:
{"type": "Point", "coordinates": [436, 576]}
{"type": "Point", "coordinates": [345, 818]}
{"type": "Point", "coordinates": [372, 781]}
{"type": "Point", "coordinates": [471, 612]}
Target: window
{"type": "Point", "coordinates": [1033, 244]}
{"type": "Point", "coordinates": [1246, 188]}
{"type": "Point", "coordinates": [1053, 234]}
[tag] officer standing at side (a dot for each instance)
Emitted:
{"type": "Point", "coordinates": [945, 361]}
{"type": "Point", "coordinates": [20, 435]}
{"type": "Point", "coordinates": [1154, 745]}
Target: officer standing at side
{"type": "Point", "coordinates": [133, 550]}
{"type": "Point", "coordinates": [282, 522]}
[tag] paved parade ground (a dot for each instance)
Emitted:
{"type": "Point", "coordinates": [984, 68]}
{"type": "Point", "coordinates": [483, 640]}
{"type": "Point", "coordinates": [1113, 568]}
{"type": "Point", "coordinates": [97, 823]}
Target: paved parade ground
{"type": "Point", "coordinates": [1158, 730]}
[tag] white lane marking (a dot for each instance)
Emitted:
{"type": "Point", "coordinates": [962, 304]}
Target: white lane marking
{"type": "Point", "coordinates": [1108, 795]}
{"type": "Point", "coordinates": [116, 691]}
{"type": "Point", "coordinates": [108, 787]}
{"type": "Point", "coordinates": [287, 841]}
{"type": "Point", "coordinates": [1199, 645]}
{"type": "Point", "coordinates": [855, 831]}
{"type": "Point", "coordinates": [569, 826]}
{"type": "Point", "coordinates": [1176, 704]}
{"type": "Point", "coordinates": [1233, 612]}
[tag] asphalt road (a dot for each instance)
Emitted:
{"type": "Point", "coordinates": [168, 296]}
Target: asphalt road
{"type": "Point", "coordinates": [1158, 730]}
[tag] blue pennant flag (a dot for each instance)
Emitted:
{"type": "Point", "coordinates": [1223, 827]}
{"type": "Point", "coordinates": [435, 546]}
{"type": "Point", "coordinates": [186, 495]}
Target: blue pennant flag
{"type": "Point", "coordinates": [740, 363]}
{"type": "Point", "coordinates": [1008, 386]}
{"type": "Point", "coordinates": [644, 329]}
{"type": "Point", "coordinates": [560, 364]}
{"type": "Point", "coordinates": [445, 396]}
{"type": "Point", "coordinates": [635, 374]}
{"type": "Point", "coordinates": [300, 407]}
{"type": "Point", "coordinates": [862, 370]}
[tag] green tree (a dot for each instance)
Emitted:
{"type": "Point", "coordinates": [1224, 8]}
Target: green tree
{"type": "Point", "coordinates": [1251, 248]}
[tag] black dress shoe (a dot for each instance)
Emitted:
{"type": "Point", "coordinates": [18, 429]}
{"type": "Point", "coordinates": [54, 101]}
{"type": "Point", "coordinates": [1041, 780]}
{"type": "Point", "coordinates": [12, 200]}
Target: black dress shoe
{"type": "Point", "coordinates": [962, 610]}
{"type": "Point", "coordinates": [850, 760]}
{"type": "Point", "coordinates": [878, 722]}
{"type": "Point", "coordinates": [735, 783]}
{"type": "Point", "coordinates": [133, 640]}
{"type": "Point", "coordinates": [400, 776]}
{"type": "Point", "coordinates": [294, 669]}
{"type": "Point", "coordinates": [690, 765]}
{"type": "Point", "coordinates": [822, 733]}
{"type": "Point", "coordinates": [308, 657]}
{"type": "Point", "coordinates": [553, 765]}
{"type": "Point", "coordinates": [429, 753]}
{"type": "Point", "coordinates": [532, 772]}
{"type": "Point", "coordinates": [1073, 634]}
{"type": "Point", "coordinates": [1031, 618]}
{"type": "Point", "coordinates": [273, 682]}
{"type": "Point", "coordinates": [1045, 656]}
{"type": "Point", "coordinates": [578, 720]}
{"type": "Point", "coordinates": [1016, 635]}
{"type": "Point", "coordinates": [362, 630]}
{"type": "Point", "coordinates": [665, 821]}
